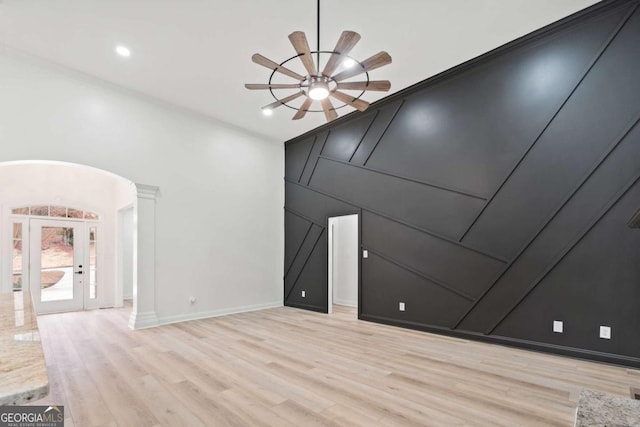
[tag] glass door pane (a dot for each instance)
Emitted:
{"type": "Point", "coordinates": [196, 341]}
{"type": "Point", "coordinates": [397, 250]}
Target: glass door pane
{"type": "Point", "coordinates": [17, 275]}
{"type": "Point", "coordinates": [93, 263]}
{"type": "Point", "coordinates": [56, 263]}
{"type": "Point", "coordinates": [56, 258]}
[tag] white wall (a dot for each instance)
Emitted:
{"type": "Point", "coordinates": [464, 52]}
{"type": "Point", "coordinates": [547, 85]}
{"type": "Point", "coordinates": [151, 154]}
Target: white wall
{"type": "Point", "coordinates": [219, 211]}
{"type": "Point", "coordinates": [345, 260]}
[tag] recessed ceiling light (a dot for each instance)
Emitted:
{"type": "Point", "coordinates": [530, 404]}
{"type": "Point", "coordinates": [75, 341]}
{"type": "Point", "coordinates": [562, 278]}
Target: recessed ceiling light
{"type": "Point", "coordinates": [267, 111]}
{"type": "Point", "coordinates": [348, 63]}
{"type": "Point", "coordinates": [123, 51]}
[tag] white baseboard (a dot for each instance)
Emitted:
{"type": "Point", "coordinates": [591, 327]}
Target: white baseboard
{"type": "Point", "coordinates": [143, 320]}
{"type": "Point", "coordinates": [166, 320]}
{"type": "Point", "coordinates": [353, 304]}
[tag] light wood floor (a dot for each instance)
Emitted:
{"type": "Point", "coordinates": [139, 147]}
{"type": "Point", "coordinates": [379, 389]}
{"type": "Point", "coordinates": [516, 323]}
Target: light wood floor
{"type": "Point", "coordinates": [287, 367]}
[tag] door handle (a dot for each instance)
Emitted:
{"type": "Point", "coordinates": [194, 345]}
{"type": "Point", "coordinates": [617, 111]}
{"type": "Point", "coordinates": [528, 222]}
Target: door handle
{"type": "Point", "coordinates": [78, 272]}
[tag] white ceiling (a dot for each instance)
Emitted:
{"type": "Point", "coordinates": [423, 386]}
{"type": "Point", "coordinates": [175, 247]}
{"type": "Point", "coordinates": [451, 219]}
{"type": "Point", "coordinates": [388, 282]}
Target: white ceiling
{"type": "Point", "coordinates": [197, 53]}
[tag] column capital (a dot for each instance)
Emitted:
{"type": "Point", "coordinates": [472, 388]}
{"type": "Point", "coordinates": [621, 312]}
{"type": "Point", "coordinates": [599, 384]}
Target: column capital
{"type": "Point", "coordinates": [147, 191]}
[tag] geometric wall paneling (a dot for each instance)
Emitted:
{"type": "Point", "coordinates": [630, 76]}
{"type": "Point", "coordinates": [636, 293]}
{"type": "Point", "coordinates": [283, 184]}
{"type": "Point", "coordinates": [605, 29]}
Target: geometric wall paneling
{"type": "Point", "coordinates": [441, 211]}
{"type": "Point", "coordinates": [385, 284]}
{"type": "Point", "coordinates": [312, 204]}
{"type": "Point", "coordinates": [467, 132]}
{"type": "Point", "coordinates": [596, 114]}
{"type": "Point", "coordinates": [586, 292]}
{"type": "Point", "coordinates": [634, 221]}
{"type": "Point", "coordinates": [310, 166]}
{"type": "Point", "coordinates": [297, 156]}
{"type": "Point", "coordinates": [430, 255]}
{"type": "Point", "coordinates": [308, 270]}
{"type": "Point", "coordinates": [312, 278]}
{"type": "Point", "coordinates": [344, 140]}
{"type": "Point", "coordinates": [296, 230]}
{"type": "Point", "coordinates": [301, 260]}
{"type": "Point", "coordinates": [378, 127]}
{"type": "Point", "coordinates": [600, 190]}
{"type": "Point", "coordinates": [494, 198]}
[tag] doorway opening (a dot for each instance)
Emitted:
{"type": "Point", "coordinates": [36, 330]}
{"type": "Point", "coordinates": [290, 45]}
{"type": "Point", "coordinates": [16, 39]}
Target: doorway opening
{"type": "Point", "coordinates": [60, 235]}
{"type": "Point", "coordinates": [343, 261]}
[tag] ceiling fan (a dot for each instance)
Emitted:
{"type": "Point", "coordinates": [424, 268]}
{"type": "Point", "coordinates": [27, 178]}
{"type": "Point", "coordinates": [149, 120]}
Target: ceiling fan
{"type": "Point", "coordinates": [319, 85]}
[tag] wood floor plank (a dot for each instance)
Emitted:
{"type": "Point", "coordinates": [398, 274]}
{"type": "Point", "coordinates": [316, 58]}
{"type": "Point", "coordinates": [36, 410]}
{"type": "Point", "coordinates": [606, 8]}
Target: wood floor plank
{"type": "Point", "coordinates": [127, 406]}
{"type": "Point", "coordinates": [252, 412]}
{"type": "Point", "coordinates": [289, 367]}
{"type": "Point", "coordinates": [349, 416]}
{"type": "Point", "coordinates": [87, 407]}
{"type": "Point", "coordinates": [205, 405]}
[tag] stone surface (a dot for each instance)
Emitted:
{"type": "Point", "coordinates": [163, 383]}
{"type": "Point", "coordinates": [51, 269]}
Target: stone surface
{"type": "Point", "coordinates": [603, 409]}
{"type": "Point", "coordinates": [23, 371]}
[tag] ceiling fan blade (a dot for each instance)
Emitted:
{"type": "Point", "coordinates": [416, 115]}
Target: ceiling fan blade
{"type": "Point", "coordinates": [376, 61]}
{"type": "Point", "coordinates": [283, 101]}
{"type": "Point", "coordinates": [346, 42]}
{"type": "Point", "coordinates": [258, 86]}
{"type": "Point", "coordinates": [303, 109]}
{"type": "Point", "coordinates": [329, 111]}
{"type": "Point", "coordinates": [299, 41]}
{"type": "Point", "coordinates": [350, 100]}
{"type": "Point", "coordinates": [374, 85]}
{"type": "Point", "coordinates": [265, 62]}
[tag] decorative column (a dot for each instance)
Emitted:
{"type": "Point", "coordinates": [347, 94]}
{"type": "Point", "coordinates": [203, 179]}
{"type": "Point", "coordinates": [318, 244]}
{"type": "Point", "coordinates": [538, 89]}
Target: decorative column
{"type": "Point", "coordinates": [144, 253]}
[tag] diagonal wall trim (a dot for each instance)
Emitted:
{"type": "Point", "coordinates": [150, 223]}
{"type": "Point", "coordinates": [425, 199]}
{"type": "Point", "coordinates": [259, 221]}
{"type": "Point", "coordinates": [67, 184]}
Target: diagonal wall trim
{"type": "Point", "coordinates": [406, 178]}
{"type": "Point", "coordinates": [315, 138]}
{"type": "Point", "coordinates": [298, 250]}
{"type": "Point", "coordinates": [431, 233]}
{"type": "Point", "coordinates": [303, 216]}
{"type": "Point", "coordinates": [364, 135]}
{"type": "Point", "coordinates": [376, 131]}
{"type": "Point", "coordinates": [566, 251]}
{"type": "Point", "coordinates": [315, 164]}
{"type": "Point", "coordinates": [435, 281]}
{"type": "Point", "coordinates": [384, 132]}
{"type": "Point", "coordinates": [306, 187]}
{"type": "Point", "coordinates": [604, 47]}
{"type": "Point", "coordinates": [313, 248]}
{"type": "Point", "coordinates": [553, 215]}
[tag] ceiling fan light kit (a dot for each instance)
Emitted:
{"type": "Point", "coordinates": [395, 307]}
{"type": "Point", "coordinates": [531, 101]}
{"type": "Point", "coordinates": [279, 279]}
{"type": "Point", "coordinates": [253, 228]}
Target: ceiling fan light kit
{"type": "Point", "coordinates": [322, 85]}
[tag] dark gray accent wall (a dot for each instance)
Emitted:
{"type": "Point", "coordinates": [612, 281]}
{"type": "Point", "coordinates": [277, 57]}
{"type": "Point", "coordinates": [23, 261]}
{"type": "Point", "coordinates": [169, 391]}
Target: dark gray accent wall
{"type": "Point", "coordinates": [493, 198]}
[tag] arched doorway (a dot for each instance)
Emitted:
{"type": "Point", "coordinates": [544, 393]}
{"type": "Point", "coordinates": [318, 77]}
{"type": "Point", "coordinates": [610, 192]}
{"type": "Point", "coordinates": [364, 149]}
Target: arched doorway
{"type": "Point", "coordinates": [61, 234]}
{"type": "Point", "coordinates": [58, 255]}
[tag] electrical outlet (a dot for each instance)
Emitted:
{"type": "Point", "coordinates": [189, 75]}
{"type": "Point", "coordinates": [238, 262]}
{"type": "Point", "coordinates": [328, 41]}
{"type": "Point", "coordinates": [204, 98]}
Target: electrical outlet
{"type": "Point", "coordinates": [605, 332]}
{"type": "Point", "coordinates": [401, 306]}
{"type": "Point", "coordinates": [304, 294]}
{"type": "Point", "coordinates": [558, 326]}
{"type": "Point", "coordinates": [365, 254]}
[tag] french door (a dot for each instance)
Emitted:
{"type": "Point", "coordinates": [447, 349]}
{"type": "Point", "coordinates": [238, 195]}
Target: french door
{"type": "Point", "coordinates": [58, 270]}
